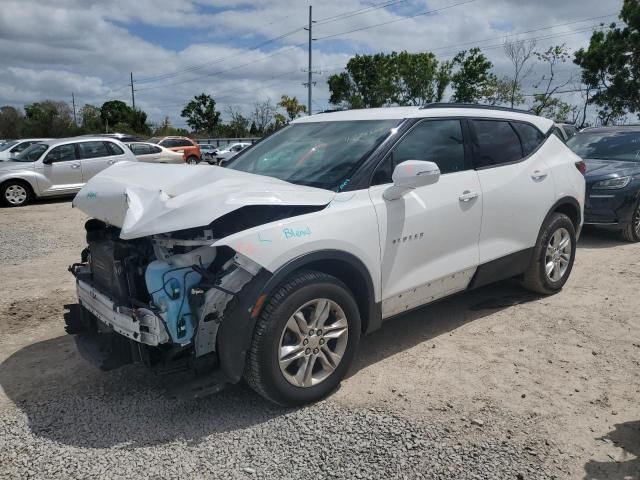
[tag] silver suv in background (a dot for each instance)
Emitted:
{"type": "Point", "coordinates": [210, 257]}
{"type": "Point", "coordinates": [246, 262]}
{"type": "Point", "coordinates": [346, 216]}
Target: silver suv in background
{"type": "Point", "coordinates": [57, 167]}
{"type": "Point", "coordinates": [10, 149]}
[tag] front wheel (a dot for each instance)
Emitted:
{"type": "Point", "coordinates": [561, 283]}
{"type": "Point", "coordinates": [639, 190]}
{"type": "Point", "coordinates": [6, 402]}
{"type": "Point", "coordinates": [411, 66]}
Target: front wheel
{"type": "Point", "coordinates": [553, 256]}
{"type": "Point", "coordinates": [631, 231]}
{"type": "Point", "coordinates": [15, 193]}
{"type": "Point", "coordinates": [192, 160]}
{"type": "Point", "coordinates": [304, 341]}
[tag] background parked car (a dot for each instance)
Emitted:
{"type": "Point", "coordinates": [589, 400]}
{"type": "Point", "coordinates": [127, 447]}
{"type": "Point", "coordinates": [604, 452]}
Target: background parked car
{"type": "Point", "coordinates": [189, 149]}
{"type": "Point", "coordinates": [226, 153]}
{"type": "Point", "coordinates": [612, 155]}
{"type": "Point", "coordinates": [13, 148]}
{"type": "Point", "coordinates": [150, 152]}
{"type": "Point", "coordinates": [57, 167]}
{"type": "Point", "coordinates": [565, 131]}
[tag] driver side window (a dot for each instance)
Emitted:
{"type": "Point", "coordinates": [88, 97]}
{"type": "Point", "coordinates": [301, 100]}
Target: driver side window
{"type": "Point", "coordinates": [438, 141]}
{"type": "Point", "coordinates": [62, 153]}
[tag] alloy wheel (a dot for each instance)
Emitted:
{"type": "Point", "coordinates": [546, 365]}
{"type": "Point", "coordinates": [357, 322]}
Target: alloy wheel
{"type": "Point", "coordinates": [15, 194]}
{"type": "Point", "coordinates": [558, 255]}
{"type": "Point", "coordinates": [313, 342]}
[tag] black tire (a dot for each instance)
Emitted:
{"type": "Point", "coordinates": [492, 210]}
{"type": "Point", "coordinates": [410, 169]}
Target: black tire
{"type": "Point", "coordinates": [262, 370]}
{"type": "Point", "coordinates": [536, 278]}
{"type": "Point", "coordinates": [16, 201]}
{"type": "Point", "coordinates": [193, 160]}
{"type": "Point", "coordinates": [631, 231]}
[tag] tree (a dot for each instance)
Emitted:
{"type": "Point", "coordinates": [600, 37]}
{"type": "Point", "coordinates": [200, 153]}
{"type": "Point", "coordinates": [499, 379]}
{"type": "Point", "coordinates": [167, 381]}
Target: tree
{"type": "Point", "coordinates": [472, 76]}
{"type": "Point", "coordinates": [239, 124]}
{"type": "Point", "coordinates": [166, 129]}
{"type": "Point", "coordinates": [519, 53]}
{"type": "Point", "coordinates": [138, 122]}
{"type": "Point", "coordinates": [48, 118]}
{"type": "Point", "coordinates": [291, 106]}
{"type": "Point", "coordinates": [90, 119]}
{"type": "Point", "coordinates": [611, 65]}
{"type": "Point", "coordinates": [545, 103]}
{"type": "Point", "coordinates": [499, 91]}
{"type": "Point", "coordinates": [263, 113]}
{"type": "Point", "coordinates": [421, 78]}
{"type": "Point", "coordinates": [254, 129]}
{"type": "Point", "coordinates": [387, 79]}
{"type": "Point", "coordinates": [201, 114]}
{"type": "Point", "coordinates": [11, 120]}
{"type": "Point", "coordinates": [114, 112]}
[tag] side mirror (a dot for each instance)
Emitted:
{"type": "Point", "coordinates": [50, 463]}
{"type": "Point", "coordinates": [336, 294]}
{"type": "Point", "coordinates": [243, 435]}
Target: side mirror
{"type": "Point", "coordinates": [48, 160]}
{"type": "Point", "coordinates": [411, 174]}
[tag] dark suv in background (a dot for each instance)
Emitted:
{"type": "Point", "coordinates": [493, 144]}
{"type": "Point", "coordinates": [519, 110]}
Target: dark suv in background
{"type": "Point", "coordinates": [612, 155]}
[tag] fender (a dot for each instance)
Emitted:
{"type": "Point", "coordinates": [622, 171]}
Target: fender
{"type": "Point", "coordinates": [574, 212]}
{"type": "Point", "coordinates": [236, 330]}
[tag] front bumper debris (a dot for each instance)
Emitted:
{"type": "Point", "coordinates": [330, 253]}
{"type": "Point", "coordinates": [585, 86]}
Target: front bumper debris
{"type": "Point", "coordinates": [140, 325]}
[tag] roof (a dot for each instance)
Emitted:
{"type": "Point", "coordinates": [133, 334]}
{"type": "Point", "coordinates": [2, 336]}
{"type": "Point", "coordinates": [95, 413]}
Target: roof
{"type": "Point", "coordinates": [400, 113]}
{"type": "Point", "coordinates": [618, 128]}
{"type": "Point", "coordinates": [83, 138]}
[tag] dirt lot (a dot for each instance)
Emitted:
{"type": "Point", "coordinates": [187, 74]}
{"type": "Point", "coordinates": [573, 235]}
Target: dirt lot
{"type": "Point", "coordinates": [490, 384]}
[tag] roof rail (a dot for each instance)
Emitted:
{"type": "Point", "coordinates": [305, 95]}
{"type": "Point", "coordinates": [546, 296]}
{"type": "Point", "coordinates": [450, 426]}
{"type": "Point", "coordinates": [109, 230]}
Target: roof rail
{"type": "Point", "coordinates": [473, 105]}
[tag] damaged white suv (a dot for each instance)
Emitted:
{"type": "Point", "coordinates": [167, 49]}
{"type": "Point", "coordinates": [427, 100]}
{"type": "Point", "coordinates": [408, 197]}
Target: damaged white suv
{"type": "Point", "coordinates": [272, 269]}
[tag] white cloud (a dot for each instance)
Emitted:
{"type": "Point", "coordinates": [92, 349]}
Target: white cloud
{"type": "Point", "coordinates": [88, 47]}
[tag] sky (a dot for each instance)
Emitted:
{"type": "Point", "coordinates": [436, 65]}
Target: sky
{"type": "Point", "coordinates": [241, 52]}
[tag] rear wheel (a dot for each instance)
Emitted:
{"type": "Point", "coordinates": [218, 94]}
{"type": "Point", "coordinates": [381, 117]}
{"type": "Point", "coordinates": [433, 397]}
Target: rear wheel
{"type": "Point", "coordinates": [553, 256]}
{"type": "Point", "coordinates": [304, 341]}
{"type": "Point", "coordinates": [192, 160]}
{"type": "Point", "coordinates": [631, 231]}
{"type": "Point", "coordinates": [15, 193]}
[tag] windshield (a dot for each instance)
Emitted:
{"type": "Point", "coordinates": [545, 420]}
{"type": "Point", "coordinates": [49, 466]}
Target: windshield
{"type": "Point", "coordinates": [31, 153]}
{"type": "Point", "coordinates": [7, 145]}
{"type": "Point", "coordinates": [316, 154]}
{"type": "Point", "coordinates": [154, 140]}
{"type": "Point", "coordinates": [612, 145]}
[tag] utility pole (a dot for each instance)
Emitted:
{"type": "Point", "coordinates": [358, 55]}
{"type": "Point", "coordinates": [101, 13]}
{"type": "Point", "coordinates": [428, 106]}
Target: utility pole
{"type": "Point", "coordinates": [73, 102]}
{"type": "Point", "coordinates": [133, 97]}
{"type": "Point", "coordinates": [310, 81]}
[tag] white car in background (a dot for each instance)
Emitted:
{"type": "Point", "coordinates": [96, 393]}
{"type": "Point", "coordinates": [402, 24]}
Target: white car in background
{"type": "Point", "coordinates": [10, 149]}
{"type": "Point", "coordinates": [226, 153]}
{"type": "Point", "coordinates": [152, 153]}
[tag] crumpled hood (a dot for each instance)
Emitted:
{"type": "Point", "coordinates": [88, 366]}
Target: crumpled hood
{"type": "Point", "coordinates": [148, 199]}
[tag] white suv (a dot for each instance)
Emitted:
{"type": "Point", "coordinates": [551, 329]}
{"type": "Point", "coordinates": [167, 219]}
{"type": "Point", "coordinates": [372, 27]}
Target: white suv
{"type": "Point", "coordinates": [272, 269]}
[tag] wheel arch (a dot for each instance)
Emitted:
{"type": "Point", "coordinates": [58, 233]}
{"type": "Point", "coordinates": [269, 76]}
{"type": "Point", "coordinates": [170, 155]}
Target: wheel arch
{"type": "Point", "coordinates": [571, 208]}
{"type": "Point", "coordinates": [24, 181]}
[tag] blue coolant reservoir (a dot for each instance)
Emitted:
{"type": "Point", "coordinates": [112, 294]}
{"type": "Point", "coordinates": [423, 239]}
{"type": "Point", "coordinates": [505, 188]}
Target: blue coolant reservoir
{"type": "Point", "coordinates": [169, 283]}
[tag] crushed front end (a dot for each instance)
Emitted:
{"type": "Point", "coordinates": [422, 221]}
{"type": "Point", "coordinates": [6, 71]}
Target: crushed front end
{"type": "Point", "coordinates": [161, 300]}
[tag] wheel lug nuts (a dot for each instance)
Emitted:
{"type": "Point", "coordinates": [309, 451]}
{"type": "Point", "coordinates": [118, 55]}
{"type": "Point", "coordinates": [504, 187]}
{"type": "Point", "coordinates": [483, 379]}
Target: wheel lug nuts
{"type": "Point", "coordinates": [307, 351]}
{"type": "Point", "coordinates": [311, 332]}
{"type": "Point", "coordinates": [319, 332]}
{"type": "Point", "coordinates": [305, 341]}
{"type": "Point", "coordinates": [322, 341]}
{"type": "Point", "coordinates": [315, 351]}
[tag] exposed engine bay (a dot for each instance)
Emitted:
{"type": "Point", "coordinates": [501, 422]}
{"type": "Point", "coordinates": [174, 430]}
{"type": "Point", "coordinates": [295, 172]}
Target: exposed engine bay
{"type": "Point", "coordinates": [157, 299]}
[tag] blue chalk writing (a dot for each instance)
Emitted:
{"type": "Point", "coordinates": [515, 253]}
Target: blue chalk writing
{"type": "Point", "coordinates": [296, 232]}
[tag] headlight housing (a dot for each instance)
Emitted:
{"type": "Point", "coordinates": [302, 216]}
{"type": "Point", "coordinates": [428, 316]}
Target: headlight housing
{"type": "Point", "coordinates": [612, 183]}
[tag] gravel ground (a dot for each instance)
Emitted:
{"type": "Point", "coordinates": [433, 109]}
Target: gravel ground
{"type": "Point", "coordinates": [495, 384]}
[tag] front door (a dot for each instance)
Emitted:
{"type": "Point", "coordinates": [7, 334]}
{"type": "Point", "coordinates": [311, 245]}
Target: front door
{"type": "Point", "coordinates": [62, 173]}
{"type": "Point", "coordinates": [428, 237]}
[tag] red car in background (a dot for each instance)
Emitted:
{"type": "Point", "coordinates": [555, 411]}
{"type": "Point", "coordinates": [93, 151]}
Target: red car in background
{"type": "Point", "coordinates": [189, 149]}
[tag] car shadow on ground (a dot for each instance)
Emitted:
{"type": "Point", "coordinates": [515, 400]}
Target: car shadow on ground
{"type": "Point", "coordinates": [627, 437]}
{"type": "Point", "coordinates": [67, 400]}
{"type": "Point", "coordinates": [592, 237]}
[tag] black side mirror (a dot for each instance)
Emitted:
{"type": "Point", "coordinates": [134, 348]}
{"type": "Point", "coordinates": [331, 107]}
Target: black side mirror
{"type": "Point", "coordinates": [48, 160]}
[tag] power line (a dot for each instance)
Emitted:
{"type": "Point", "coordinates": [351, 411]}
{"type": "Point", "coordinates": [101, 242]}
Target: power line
{"type": "Point", "coordinates": [359, 11]}
{"type": "Point", "coordinates": [428, 12]}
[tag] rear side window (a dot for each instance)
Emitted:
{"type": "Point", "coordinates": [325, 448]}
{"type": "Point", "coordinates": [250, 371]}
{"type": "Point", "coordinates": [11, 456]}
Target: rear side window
{"type": "Point", "coordinates": [114, 149]}
{"type": "Point", "coordinates": [154, 149]}
{"type": "Point", "coordinates": [495, 143]}
{"type": "Point", "coordinates": [184, 143]}
{"type": "Point", "coordinates": [92, 150]}
{"type": "Point", "coordinates": [140, 148]}
{"type": "Point", "coordinates": [529, 135]}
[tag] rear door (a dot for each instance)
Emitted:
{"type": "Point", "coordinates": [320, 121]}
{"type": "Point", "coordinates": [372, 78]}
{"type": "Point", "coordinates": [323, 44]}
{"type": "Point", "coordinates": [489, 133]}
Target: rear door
{"type": "Point", "coordinates": [428, 237]}
{"type": "Point", "coordinates": [517, 187]}
{"type": "Point", "coordinates": [98, 155]}
{"type": "Point", "coordinates": [62, 173]}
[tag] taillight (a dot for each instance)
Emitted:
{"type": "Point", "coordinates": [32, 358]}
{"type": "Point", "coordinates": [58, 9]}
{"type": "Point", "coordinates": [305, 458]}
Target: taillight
{"type": "Point", "coordinates": [581, 166]}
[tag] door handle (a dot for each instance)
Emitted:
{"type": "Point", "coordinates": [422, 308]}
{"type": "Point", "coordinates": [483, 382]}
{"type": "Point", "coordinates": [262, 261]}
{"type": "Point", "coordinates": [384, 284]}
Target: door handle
{"type": "Point", "coordinates": [467, 196]}
{"type": "Point", "coordinates": [539, 175]}
{"type": "Point", "coordinates": [75, 165]}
